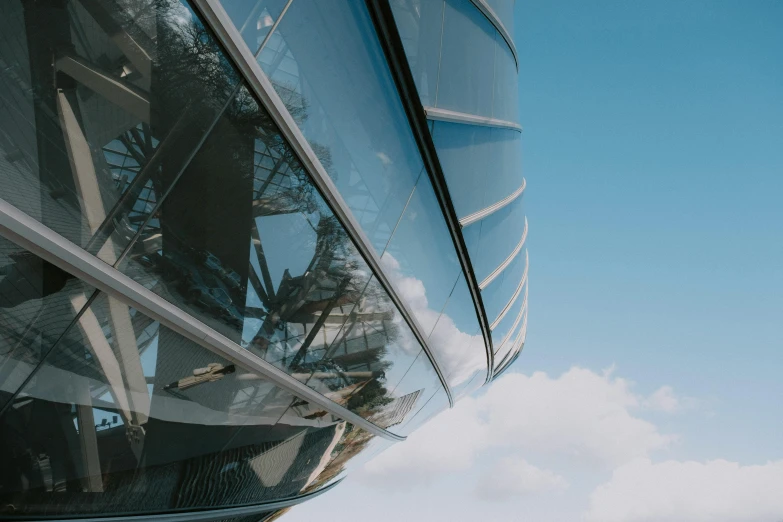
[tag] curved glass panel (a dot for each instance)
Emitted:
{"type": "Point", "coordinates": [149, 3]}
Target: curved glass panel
{"type": "Point", "coordinates": [422, 48]}
{"type": "Point", "coordinates": [506, 94]}
{"type": "Point", "coordinates": [467, 63]}
{"type": "Point", "coordinates": [509, 326]}
{"type": "Point", "coordinates": [470, 156]}
{"type": "Point", "coordinates": [419, 383]}
{"type": "Point", "coordinates": [38, 302]}
{"type": "Point", "coordinates": [502, 289]}
{"type": "Point", "coordinates": [135, 90]}
{"type": "Point", "coordinates": [456, 338]}
{"type": "Point", "coordinates": [435, 404]}
{"type": "Point", "coordinates": [327, 66]}
{"type": "Point", "coordinates": [126, 416]}
{"type": "Point", "coordinates": [253, 18]}
{"type": "Point", "coordinates": [504, 9]}
{"type": "Point", "coordinates": [421, 258]}
{"type": "Point", "coordinates": [495, 237]}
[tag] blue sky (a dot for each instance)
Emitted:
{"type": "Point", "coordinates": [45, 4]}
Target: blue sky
{"type": "Point", "coordinates": [653, 151]}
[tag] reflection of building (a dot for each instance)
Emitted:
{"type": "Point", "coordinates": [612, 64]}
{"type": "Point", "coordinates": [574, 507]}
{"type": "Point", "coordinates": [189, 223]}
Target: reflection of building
{"type": "Point", "coordinates": [244, 245]}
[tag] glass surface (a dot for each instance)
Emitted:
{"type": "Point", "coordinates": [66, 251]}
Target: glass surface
{"type": "Point", "coordinates": [37, 303]}
{"type": "Point", "coordinates": [250, 248]}
{"type": "Point", "coordinates": [127, 416]}
{"type": "Point", "coordinates": [467, 64]}
{"type": "Point", "coordinates": [498, 235]}
{"type": "Point", "coordinates": [482, 165]}
{"type": "Point", "coordinates": [506, 94]}
{"type": "Point", "coordinates": [456, 338]}
{"type": "Point", "coordinates": [421, 258]}
{"type": "Point", "coordinates": [327, 66]}
{"type": "Point", "coordinates": [253, 18]}
{"type": "Point", "coordinates": [509, 326]}
{"type": "Point", "coordinates": [504, 9]}
{"type": "Point", "coordinates": [435, 404]}
{"type": "Point", "coordinates": [90, 141]}
{"type": "Point", "coordinates": [421, 26]}
{"type": "Point", "coordinates": [498, 293]}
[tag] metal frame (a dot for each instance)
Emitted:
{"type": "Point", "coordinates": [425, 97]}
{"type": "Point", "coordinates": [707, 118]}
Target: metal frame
{"type": "Point", "coordinates": [499, 270]}
{"type": "Point", "coordinates": [201, 515]}
{"type": "Point", "coordinates": [389, 37]}
{"type": "Point", "coordinates": [481, 214]}
{"type": "Point", "coordinates": [512, 300]}
{"type": "Point", "coordinates": [436, 114]}
{"type": "Point", "coordinates": [52, 247]}
{"type": "Point", "coordinates": [493, 18]}
{"type": "Point", "coordinates": [243, 58]}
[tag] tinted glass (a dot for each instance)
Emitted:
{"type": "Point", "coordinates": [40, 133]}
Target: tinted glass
{"type": "Point", "coordinates": [482, 165]}
{"type": "Point", "coordinates": [504, 9]}
{"type": "Point", "coordinates": [37, 303]}
{"type": "Point", "coordinates": [253, 18]}
{"type": "Point", "coordinates": [249, 247]}
{"type": "Point", "coordinates": [127, 416]}
{"type": "Point", "coordinates": [421, 257]}
{"type": "Point", "coordinates": [508, 327]}
{"type": "Point", "coordinates": [421, 26]}
{"type": "Point", "coordinates": [327, 65]}
{"type": "Point", "coordinates": [502, 289]}
{"type": "Point", "coordinates": [516, 340]}
{"type": "Point", "coordinates": [506, 97]}
{"type": "Point", "coordinates": [497, 237]}
{"type": "Point", "coordinates": [467, 63]}
{"type": "Point", "coordinates": [435, 404]}
{"type": "Point", "coordinates": [90, 141]}
{"type": "Point", "coordinates": [456, 338]}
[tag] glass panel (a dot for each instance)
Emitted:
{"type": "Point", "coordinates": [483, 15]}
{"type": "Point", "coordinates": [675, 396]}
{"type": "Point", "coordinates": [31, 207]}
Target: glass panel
{"type": "Point", "coordinates": [135, 90]}
{"type": "Point", "coordinates": [506, 96]}
{"type": "Point", "coordinates": [253, 18]}
{"type": "Point", "coordinates": [457, 340]}
{"type": "Point", "coordinates": [504, 9]}
{"type": "Point", "coordinates": [509, 326]}
{"type": "Point", "coordinates": [421, 26]}
{"type": "Point", "coordinates": [501, 290]}
{"type": "Point", "coordinates": [327, 65]}
{"type": "Point", "coordinates": [435, 404]}
{"type": "Point", "coordinates": [467, 63]}
{"type": "Point", "coordinates": [499, 233]}
{"type": "Point", "coordinates": [470, 156]}
{"type": "Point", "coordinates": [250, 248]}
{"type": "Point", "coordinates": [421, 256]}
{"type": "Point", "coordinates": [127, 416]}
{"type": "Point", "coordinates": [37, 303]}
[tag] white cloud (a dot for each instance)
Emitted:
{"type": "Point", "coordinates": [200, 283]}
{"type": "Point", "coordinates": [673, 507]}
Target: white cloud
{"type": "Point", "coordinates": [715, 491]}
{"type": "Point", "coordinates": [584, 416]}
{"type": "Point", "coordinates": [513, 476]}
{"type": "Point", "coordinates": [665, 400]}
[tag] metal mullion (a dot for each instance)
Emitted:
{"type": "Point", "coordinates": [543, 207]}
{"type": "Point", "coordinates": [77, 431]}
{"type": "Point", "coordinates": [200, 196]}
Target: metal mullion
{"type": "Point", "coordinates": [449, 116]}
{"type": "Point", "coordinates": [499, 270]}
{"type": "Point", "coordinates": [493, 18]}
{"type": "Point", "coordinates": [491, 209]}
{"type": "Point", "coordinates": [40, 240]}
{"type": "Point", "coordinates": [217, 19]}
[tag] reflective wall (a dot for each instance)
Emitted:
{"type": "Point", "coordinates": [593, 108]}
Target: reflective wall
{"type": "Point", "coordinates": [466, 75]}
{"type": "Point", "coordinates": [127, 130]}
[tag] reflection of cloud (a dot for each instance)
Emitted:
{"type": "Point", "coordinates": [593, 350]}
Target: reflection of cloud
{"type": "Point", "coordinates": [582, 415]}
{"type": "Point", "coordinates": [460, 354]}
{"type": "Point", "coordinates": [513, 476]}
{"type": "Point", "coordinates": [714, 491]}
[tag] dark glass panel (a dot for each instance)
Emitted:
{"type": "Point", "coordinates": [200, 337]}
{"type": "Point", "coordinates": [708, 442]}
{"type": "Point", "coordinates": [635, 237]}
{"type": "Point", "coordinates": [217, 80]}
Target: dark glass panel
{"type": "Point", "coordinates": [37, 303]}
{"type": "Point", "coordinates": [327, 66]}
{"type": "Point", "coordinates": [92, 139]}
{"type": "Point", "coordinates": [126, 416]}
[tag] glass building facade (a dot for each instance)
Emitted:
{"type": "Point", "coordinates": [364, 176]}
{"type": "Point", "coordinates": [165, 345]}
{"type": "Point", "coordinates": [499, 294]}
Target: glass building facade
{"type": "Point", "coordinates": [246, 245]}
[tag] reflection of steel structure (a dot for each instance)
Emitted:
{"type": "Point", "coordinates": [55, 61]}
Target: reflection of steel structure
{"type": "Point", "coordinates": [192, 314]}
